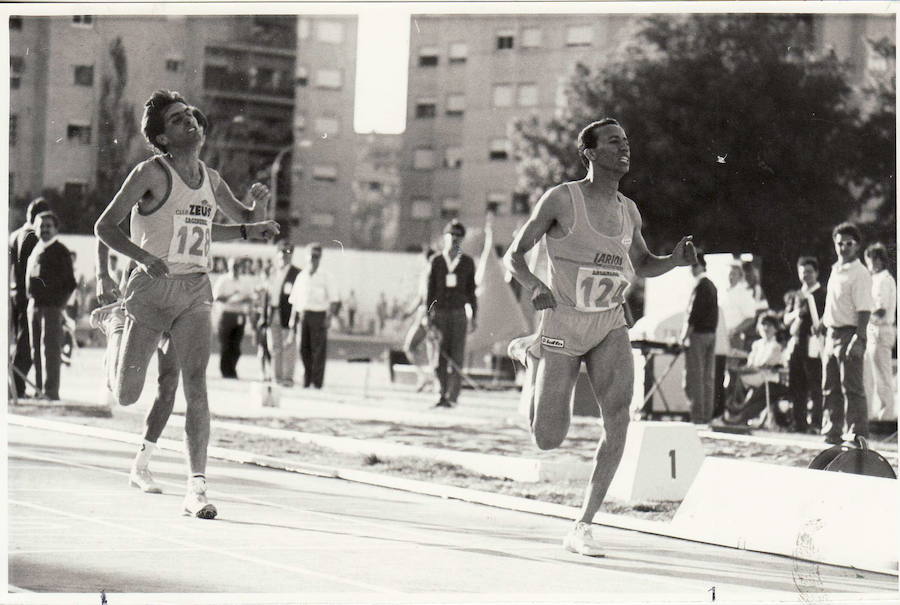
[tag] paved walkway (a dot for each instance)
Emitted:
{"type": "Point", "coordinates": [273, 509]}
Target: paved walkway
{"type": "Point", "coordinates": [75, 527]}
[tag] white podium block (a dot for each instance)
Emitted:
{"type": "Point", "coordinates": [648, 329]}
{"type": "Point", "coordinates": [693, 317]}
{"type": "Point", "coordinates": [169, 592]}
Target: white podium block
{"type": "Point", "coordinates": [265, 394]}
{"type": "Point", "coordinates": [660, 462]}
{"type": "Point", "coordinates": [812, 515]}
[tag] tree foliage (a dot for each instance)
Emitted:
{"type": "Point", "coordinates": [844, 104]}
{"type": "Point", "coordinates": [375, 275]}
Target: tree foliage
{"type": "Point", "coordinates": [741, 135]}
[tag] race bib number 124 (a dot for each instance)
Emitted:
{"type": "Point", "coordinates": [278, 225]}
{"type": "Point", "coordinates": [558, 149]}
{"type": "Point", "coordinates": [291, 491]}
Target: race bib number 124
{"type": "Point", "coordinates": [599, 289]}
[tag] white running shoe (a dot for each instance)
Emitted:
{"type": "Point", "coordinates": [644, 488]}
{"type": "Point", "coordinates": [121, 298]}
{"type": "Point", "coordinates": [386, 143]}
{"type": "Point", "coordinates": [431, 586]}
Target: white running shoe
{"type": "Point", "coordinates": [195, 502]}
{"type": "Point", "coordinates": [106, 317]}
{"type": "Point", "coordinates": [581, 541]}
{"type": "Point", "coordinates": [143, 479]}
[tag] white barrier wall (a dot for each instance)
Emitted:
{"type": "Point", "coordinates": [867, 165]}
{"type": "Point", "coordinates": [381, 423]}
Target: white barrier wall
{"type": "Point", "coordinates": [823, 516]}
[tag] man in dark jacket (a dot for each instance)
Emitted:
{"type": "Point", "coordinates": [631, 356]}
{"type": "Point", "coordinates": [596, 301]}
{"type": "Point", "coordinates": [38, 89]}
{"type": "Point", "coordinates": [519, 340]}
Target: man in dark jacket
{"type": "Point", "coordinates": [50, 282]}
{"type": "Point", "coordinates": [21, 243]}
{"type": "Point", "coordinates": [278, 315]}
{"type": "Point", "coordinates": [451, 286]}
{"type": "Point", "coordinates": [699, 340]}
{"type": "Point", "coordinates": [803, 316]}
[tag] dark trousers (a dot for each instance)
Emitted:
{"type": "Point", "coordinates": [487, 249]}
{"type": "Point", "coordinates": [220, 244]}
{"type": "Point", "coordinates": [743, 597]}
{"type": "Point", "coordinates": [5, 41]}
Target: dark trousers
{"type": "Point", "coordinates": [719, 398]}
{"type": "Point", "coordinates": [805, 378]}
{"type": "Point", "coordinates": [699, 375]}
{"type": "Point", "coordinates": [231, 332]}
{"type": "Point", "coordinates": [46, 336]}
{"type": "Point", "coordinates": [842, 387]}
{"type": "Point", "coordinates": [313, 347]}
{"type": "Point", "coordinates": [22, 360]}
{"type": "Point", "coordinates": [452, 325]}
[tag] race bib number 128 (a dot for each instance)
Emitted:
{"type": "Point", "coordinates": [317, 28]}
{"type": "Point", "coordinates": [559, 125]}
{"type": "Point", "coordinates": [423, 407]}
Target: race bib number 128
{"type": "Point", "coordinates": [190, 241]}
{"type": "Point", "coordinates": [599, 289]}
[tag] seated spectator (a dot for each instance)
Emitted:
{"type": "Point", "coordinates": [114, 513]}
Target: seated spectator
{"type": "Point", "coordinates": [747, 385]}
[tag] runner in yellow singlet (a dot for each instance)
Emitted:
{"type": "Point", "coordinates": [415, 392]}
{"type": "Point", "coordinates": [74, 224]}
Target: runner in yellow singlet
{"type": "Point", "coordinates": [594, 250]}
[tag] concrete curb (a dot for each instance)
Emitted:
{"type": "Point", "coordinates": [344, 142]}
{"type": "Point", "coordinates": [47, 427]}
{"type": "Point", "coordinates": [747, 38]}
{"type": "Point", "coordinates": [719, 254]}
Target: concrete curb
{"type": "Point", "coordinates": [421, 487]}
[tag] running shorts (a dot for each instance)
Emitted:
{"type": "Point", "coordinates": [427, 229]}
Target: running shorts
{"type": "Point", "coordinates": [158, 302]}
{"type": "Point", "coordinates": [569, 331]}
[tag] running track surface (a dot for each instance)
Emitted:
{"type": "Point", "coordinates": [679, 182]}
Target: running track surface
{"type": "Point", "coordinates": [76, 527]}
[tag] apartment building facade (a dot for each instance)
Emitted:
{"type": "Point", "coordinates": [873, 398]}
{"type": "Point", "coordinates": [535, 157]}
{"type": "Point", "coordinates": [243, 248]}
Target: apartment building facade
{"type": "Point", "coordinates": [324, 152]}
{"type": "Point", "coordinates": [471, 75]}
{"type": "Point", "coordinates": [238, 69]}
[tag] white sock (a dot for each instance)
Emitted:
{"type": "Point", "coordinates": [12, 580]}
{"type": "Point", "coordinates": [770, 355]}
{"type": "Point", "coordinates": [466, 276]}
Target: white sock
{"type": "Point", "coordinates": [197, 482]}
{"type": "Point", "coordinates": [142, 460]}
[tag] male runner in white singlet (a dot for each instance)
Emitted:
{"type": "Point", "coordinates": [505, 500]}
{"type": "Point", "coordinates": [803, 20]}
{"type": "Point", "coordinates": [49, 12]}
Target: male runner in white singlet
{"type": "Point", "coordinates": [594, 250]}
{"type": "Point", "coordinates": [172, 199]}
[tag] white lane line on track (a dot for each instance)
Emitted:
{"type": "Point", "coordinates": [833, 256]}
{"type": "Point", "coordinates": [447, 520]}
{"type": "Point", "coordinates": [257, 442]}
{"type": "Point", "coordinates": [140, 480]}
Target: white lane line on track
{"type": "Point", "coordinates": [226, 553]}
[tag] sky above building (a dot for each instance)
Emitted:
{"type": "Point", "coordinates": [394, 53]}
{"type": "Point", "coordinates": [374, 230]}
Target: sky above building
{"type": "Point", "coordinates": [381, 71]}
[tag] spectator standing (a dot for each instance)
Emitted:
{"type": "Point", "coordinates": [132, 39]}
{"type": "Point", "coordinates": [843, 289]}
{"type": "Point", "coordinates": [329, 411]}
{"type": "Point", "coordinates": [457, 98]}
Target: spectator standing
{"type": "Point", "coordinates": [699, 340]}
{"type": "Point", "coordinates": [848, 304]}
{"type": "Point", "coordinates": [740, 308]}
{"type": "Point", "coordinates": [451, 286]}
{"type": "Point", "coordinates": [314, 300]}
{"type": "Point", "coordinates": [21, 243]}
{"type": "Point", "coordinates": [232, 297]}
{"type": "Point", "coordinates": [352, 306]}
{"type": "Point", "coordinates": [381, 311]}
{"type": "Point", "coordinates": [803, 317]}
{"type": "Point", "coordinates": [882, 333]}
{"type": "Point", "coordinates": [278, 317]}
{"type": "Point", "coordinates": [50, 283]}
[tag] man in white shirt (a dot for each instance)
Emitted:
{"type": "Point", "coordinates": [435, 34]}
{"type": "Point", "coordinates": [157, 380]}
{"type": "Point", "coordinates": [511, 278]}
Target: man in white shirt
{"type": "Point", "coordinates": [848, 304]}
{"type": "Point", "coordinates": [739, 307]}
{"type": "Point", "coordinates": [882, 334]}
{"type": "Point", "coordinates": [232, 298]}
{"type": "Point", "coordinates": [314, 299]}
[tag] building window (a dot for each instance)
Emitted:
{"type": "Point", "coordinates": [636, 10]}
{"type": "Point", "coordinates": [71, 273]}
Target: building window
{"type": "Point", "coordinates": [428, 56]}
{"type": "Point", "coordinates": [73, 191]}
{"type": "Point", "coordinates": [16, 69]}
{"type": "Point", "coordinates": [15, 23]}
{"type": "Point", "coordinates": [330, 31]}
{"type": "Point", "coordinates": [324, 172]}
{"type": "Point", "coordinates": [423, 158]}
{"type": "Point", "coordinates": [376, 186]}
{"type": "Point", "coordinates": [79, 132]}
{"type": "Point", "coordinates": [496, 200]}
{"type": "Point", "coordinates": [420, 209]}
{"type": "Point", "coordinates": [528, 95]}
{"type": "Point", "coordinates": [328, 126]}
{"type": "Point", "coordinates": [426, 109]}
{"type": "Point", "coordinates": [505, 40]}
{"type": "Point", "coordinates": [579, 35]}
{"type": "Point", "coordinates": [503, 95]}
{"type": "Point", "coordinates": [83, 20]}
{"type": "Point", "coordinates": [456, 104]}
{"type": "Point", "coordinates": [301, 76]}
{"type": "Point", "coordinates": [520, 203]}
{"type": "Point", "coordinates": [303, 28]}
{"type": "Point", "coordinates": [84, 75]}
{"type": "Point", "coordinates": [322, 219]}
{"type": "Point", "coordinates": [328, 78]}
{"type": "Point", "coordinates": [458, 54]}
{"type": "Point", "coordinates": [450, 207]}
{"type": "Point", "coordinates": [499, 149]}
{"type": "Point", "coordinates": [174, 65]}
{"type": "Point", "coordinates": [13, 129]}
{"type": "Point", "coordinates": [531, 37]}
{"type": "Point", "coordinates": [453, 157]}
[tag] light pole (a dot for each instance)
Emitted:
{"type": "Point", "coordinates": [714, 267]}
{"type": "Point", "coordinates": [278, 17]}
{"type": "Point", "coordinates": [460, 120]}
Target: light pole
{"type": "Point", "coordinates": [276, 168]}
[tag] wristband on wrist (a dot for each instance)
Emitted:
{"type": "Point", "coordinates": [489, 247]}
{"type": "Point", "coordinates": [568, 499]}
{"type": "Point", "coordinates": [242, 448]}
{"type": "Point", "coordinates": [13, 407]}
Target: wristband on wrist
{"type": "Point", "coordinates": [243, 231]}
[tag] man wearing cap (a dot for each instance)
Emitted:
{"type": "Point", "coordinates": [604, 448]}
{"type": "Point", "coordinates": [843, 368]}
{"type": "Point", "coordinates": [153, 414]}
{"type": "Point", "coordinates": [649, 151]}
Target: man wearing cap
{"type": "Point", "coordinates": [451, 286]}
{"type": "Point", "coordinates": [314, 300]}
{"type": "Point", "coordinates": [278, 315]}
